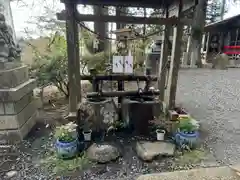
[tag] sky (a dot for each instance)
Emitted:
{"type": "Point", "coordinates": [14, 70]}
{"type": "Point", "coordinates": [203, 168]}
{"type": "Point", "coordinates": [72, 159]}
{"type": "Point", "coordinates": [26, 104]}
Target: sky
{"type": "Point", "coordinates": [25, 13]}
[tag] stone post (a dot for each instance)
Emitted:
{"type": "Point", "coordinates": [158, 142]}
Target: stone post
{"type": "Point", "coordinates": [18, 109]}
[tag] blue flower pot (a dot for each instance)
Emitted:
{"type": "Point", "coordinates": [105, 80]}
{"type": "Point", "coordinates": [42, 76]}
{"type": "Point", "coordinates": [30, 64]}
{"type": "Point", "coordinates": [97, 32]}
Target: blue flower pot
{"type": "Point", "coordinates": [67, 149]}
{"type": "Point", "coordinates": [190, 140]}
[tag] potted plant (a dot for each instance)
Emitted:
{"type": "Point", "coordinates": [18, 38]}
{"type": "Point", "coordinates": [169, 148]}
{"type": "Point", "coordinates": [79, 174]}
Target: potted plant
{"type": "Point", "coordinates": [160, 134]}
{"type": "Point", "coordinates": [158, 127]}
{"type": "Point", "coordinates": [187, 133]}
{"type": "Point", "coordinates": [66, 140]}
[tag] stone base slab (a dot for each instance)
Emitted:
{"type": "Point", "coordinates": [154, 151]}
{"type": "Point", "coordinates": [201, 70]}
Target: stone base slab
{"type": "Point", "coordinates": [188, 66]}
{"type": "Point", "coordinates": [15, 94]}
{"type": "Point", "coordinates": [13, 77]}
{"type": "Point", "coordinates": [213, 173]}
{"type": "Point", "coordinates": [8, 122]}
{"type": "Point", "coordinates": [17, 135]}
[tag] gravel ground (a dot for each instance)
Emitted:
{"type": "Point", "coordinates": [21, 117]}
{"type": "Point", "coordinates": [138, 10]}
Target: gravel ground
{"type": "Point", "coordinates": [212, 97]}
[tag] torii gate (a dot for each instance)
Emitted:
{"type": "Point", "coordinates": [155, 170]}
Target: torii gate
{"type": "Point", "coordinates": [174, 11]}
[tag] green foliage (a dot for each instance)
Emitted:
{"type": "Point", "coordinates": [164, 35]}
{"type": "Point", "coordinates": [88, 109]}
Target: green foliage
{"type": "Point", "coordinates": [66, 133]}
{"type": "Point", "coordinates": [88, 39]}
{"type": "Point", "coordinates": [185, 125]}
{"type": "Point", "coordinates": [60, 167]}
{"type": "Point", "coordinates": [139, 52]}
{"type": "Point", "coordinates": [192, 157]}
{"type": "Point", "coordinates": [50, 67]}
{"type": "Point", "coordinates": [97, 61]}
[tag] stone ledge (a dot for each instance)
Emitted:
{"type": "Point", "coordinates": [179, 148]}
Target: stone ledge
{"type": "Point", "coordinates": [12, 108]}
{"type": "Point", "coordinates": [8, 122]}
{"type": "Point", "coordinates": [17, 135]}
{"type": "Point", "coordinates": [15, 94]}
{"type": "Point", "coordinates": [188, 67]}
{"type": "Point", "coordinates": [13, 77]}
{"type": "Point", "coordinates": [10, 65]}
{"type": "Point", "coordinates": [214, 173]}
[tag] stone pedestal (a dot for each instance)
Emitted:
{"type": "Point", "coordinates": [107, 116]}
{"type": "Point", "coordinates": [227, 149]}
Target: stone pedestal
{"type": "Point", "coordinates": [139, 122]}
{"type": "Point", "coordinates": [18, 109]}
{"type": "Point", "coordinates": [220, 61]}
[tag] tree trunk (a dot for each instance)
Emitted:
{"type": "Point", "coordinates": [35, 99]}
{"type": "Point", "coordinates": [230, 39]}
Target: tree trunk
{"type": "Point", "coordinates": [101, 28]}
{"type": "Point", "coordinates": [41, 97]}
{"type": "Point", "coordinates": [121, 11]}
{"type": "Point", "coordinates": [197, 32]}
{"type": "Point", "coordinates": [196, 53]}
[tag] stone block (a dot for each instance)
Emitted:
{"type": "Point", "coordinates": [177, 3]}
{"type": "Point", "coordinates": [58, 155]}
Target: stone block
{"type": "Point", "coordinates": [8, 122]}
{"type": "Point", "coordinates": [15, 94]}
{"type": "Point", "coordinates": [12, 108]}
{"type": "Point", "coordinates": [173, 115]}
{"type": "Point", "coordinates": [17, 135]}
{"type": "Point", "coordinates": [9, 108]}
{"type": "Point", "coordinates": [2, 108]}
{"type": "Point", "coordinates": [147, 151]}
{"type": "Point", "coordinates": [13, 77]}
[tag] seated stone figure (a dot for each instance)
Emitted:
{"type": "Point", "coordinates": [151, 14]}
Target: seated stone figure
{"type": "Point", "coordinates": [9, 51]}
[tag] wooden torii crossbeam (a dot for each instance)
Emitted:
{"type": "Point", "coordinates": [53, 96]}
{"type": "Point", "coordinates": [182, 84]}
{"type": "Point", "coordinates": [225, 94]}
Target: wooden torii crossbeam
{"type": "Point", "coordinates": [125, 3]}
{"type": "Point", "coordinates": [127, 19]}
{"type": "Point", "coordinates": [73, 17]}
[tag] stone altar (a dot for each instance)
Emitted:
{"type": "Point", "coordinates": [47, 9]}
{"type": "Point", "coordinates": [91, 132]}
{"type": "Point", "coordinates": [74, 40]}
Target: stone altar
{"type": "Point", "coordinates": [18, 109]}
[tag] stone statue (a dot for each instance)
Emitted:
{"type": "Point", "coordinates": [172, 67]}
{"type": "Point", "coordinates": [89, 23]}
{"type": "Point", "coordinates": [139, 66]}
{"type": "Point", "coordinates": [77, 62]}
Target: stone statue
{"type": "Point", "coordinates": [9, 51]}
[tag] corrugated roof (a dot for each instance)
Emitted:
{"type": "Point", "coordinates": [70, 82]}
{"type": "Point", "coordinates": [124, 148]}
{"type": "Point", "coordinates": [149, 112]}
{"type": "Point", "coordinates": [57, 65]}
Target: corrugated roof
{"type": "Point", "coordinates": [223, 22]}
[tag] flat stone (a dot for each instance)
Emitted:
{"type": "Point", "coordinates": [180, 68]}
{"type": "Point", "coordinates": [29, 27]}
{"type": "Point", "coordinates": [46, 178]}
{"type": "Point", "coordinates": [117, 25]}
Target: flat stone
{"type": "Point", "coordinates": [102, 152]}
{"type": "Point", "coordinates": [15, 94]}
{"type": "Point", "coordinates": [147, 151]}
{"type": "Point", "coordinates": [214, 173]}
{"type": "Point", "coordinates": [11, 174]}
{"type": "Point", "coordinates": [188, 66]}
{"type": "Point", "coordinates": [11, 78]}
{"type": "Point", "coordinates": [8, 122]}
{"type": "Point", "coordinates": [17, 135]}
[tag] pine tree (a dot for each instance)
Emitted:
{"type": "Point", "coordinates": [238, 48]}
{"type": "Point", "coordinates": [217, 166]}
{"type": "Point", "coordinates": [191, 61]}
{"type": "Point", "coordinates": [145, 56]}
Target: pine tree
{"type": "Point", "coordinates": [213, 13]}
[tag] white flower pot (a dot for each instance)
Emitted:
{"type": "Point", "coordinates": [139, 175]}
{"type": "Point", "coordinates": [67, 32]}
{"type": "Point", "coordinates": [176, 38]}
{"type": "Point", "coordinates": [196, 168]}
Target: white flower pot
{"type": "Point", "coordinates": [160, 134]}
{"type": "Point", "coordinates": [87, 135]}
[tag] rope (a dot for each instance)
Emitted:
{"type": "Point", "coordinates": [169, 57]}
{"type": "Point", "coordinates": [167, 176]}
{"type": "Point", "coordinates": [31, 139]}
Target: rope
{"type": "Point", "coordinates": [111, 39]}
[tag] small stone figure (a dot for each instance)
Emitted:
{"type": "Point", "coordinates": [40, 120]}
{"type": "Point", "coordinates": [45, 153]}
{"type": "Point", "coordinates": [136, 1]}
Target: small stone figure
{"type": "Point", "coordinates": [9, 51]}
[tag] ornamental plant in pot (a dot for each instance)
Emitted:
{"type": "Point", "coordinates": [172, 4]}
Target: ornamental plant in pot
{"type": "Point", "coordinates": [187, 133]}
{"type": "Point", "coordinates": [160, 134]}
{"type": "Point", "coordinates": [66, 140]}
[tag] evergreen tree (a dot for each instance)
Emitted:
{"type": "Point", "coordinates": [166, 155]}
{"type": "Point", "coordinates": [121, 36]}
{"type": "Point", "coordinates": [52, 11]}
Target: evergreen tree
{"type": "Point", "coordinates": [213, 13]}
